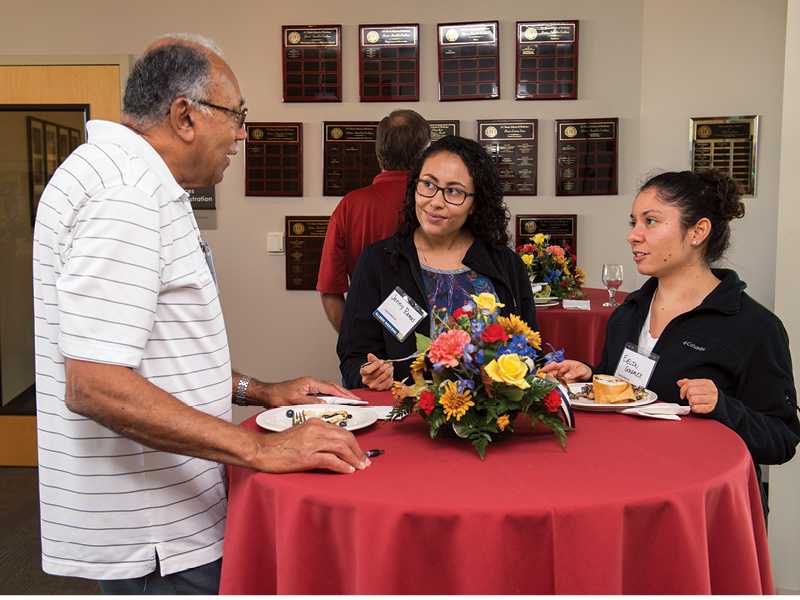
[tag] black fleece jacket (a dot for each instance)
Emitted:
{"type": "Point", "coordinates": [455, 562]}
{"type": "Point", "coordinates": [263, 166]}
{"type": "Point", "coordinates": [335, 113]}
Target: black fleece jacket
{"type": "Point", "coordinates": [373, 280]}
{"type": "Point", "coordinates": [735, 342]}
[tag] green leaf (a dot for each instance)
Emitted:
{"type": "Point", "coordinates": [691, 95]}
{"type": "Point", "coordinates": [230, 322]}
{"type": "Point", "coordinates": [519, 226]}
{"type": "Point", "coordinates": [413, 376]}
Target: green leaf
{"type": "Point", "coordinates": [423, 343]}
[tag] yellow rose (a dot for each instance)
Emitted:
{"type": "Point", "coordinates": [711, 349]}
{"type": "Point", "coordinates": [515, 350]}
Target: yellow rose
{"type": "Point", "coordinates": [509, 369]}
{"type": "Point", "coordinates": [527, 259]}
{"type": "Point", "coordinates": [539, 238]}
{"type": "Point", "coordinates": [486, 303]}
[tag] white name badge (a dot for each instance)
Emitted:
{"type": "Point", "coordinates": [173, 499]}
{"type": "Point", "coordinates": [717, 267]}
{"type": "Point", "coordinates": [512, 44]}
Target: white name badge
{"type": "Point", "coordinates": [400, 314]}
{"type": "Point", "coordinates": [636, 365]}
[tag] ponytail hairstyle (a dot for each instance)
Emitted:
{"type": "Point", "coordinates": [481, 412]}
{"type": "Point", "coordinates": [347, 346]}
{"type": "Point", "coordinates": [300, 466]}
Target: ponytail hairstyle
{"type": "Point", "coordinates": [710, 194]}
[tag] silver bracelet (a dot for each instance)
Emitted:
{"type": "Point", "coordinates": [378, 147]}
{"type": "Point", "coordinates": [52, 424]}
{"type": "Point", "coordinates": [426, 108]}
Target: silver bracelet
{"type": "Point", "coordinates": [241, 390]}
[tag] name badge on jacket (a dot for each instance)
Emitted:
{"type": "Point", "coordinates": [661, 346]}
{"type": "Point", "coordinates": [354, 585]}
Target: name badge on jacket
{"type": "Point", "coordinates": [400, 314]}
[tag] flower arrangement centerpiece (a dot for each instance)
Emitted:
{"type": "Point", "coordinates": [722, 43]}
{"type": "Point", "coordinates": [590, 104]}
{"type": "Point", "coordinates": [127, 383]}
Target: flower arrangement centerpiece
{"type": "Point", "coordinates": [553, 267]}
{"type": "Point", "coordinates": [485, 372]}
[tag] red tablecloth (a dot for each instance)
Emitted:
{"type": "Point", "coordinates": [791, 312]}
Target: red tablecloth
{"type": "Point", "coordinates": [581, 333]}
{"type": "Point", "coordinates": [634, 506]}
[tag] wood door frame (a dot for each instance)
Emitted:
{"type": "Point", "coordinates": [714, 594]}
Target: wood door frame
{"type": "Point", "coordinates": [55, 80]}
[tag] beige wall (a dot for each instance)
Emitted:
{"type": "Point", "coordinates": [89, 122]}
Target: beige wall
{"type": "Point", "coordinates": [784, 540]}
{"type": "Point", "coordinates": [652, 64]}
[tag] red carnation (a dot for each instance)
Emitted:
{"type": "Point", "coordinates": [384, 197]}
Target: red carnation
{"type": "Point", "coordinates": [460, 312]}
{"type": "Point", "coordinates": [553, 401]}
{"type": "Point", "coordinates": [567, 247]}
{"type": "Point", "coordinates": [573, 258]}
{"type": "Point", "coordinates": [494, 333]}
{"type": "Point", "coordinates": [565, 283]}
{"type": "Point", "coordinates": [427, 400]}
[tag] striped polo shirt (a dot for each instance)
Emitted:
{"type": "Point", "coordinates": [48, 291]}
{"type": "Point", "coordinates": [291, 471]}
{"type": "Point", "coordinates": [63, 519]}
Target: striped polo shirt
{"type": "Point", "coordinates": [120, 278]}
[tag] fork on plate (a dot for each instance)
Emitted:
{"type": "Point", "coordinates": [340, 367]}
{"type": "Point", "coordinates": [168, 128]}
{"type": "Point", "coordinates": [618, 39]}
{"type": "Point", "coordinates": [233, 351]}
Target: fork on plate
{"type": "Point", "coordinates": [298, 417]}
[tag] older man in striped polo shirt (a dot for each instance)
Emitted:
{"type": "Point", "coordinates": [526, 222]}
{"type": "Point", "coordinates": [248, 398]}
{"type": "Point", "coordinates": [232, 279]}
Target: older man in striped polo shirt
{"type": "Point", "coordinates": [133, 377]}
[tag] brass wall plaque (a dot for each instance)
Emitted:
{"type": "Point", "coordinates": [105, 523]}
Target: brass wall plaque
{"type": "Point", "coordinates": [440, 129]}
{"type": "Point", "coordinates": [274, 159]}
{"type": "Point", "coordinates": [388, 66]}
{"type": "Point", "coordinates": [513, 146]}
{"type": "Point", "coordinates": [586, 157]}
{"type": "Point", "coordinates": [563, 229]}
{"type": "Point", "coordinates": [729, 144]}
{"type": "Point", "coordinates": [547, 60]}
{"type": "Point", "coordinates": [349, 156]}
{"type": "Point", "coordinates": [469, 61]}
{"type": "Point", "coordinates": [305, 237]}
{"type": "Point", "coordinates": [312, 63]}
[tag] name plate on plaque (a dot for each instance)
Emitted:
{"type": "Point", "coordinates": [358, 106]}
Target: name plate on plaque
{"type": "Point", "coordinates": [304, 239]}
{"type": "Point", "coordinates": [312, 63]}
{"type": "Point", "coordinates": [547, 60]}
{"type": "Point", "coordinates": [274, 159]}
{"type": "Point", "coordinates": [729, 144]}
{"type": "Point", "coordinates": [389, 63]}
{"type": "Point", "coordinates": [469, 61]}
{"type": "Point", "coordinates": [563, 229]}
{"type": "Point", "coordinates": [586, 157]}
{"type": "Point", "coordinates": [440, 129]}
{"type": "Point", "coordinates": [349, 156]}
{"type": "Point", "coordinates": [513, 147]}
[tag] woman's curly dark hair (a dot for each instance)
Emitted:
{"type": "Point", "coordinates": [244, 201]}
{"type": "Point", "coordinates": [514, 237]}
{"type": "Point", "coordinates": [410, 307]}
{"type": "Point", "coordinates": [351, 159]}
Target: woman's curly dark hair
{"type": "Point", "coordinates": [488, 223]}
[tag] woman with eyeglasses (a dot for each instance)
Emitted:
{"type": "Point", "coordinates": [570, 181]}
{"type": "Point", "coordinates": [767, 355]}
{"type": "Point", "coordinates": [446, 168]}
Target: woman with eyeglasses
{"type": "Point", "coordinates": [451, 244]}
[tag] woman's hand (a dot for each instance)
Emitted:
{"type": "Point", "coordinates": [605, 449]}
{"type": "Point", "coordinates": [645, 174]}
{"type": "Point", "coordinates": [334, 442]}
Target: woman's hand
{"type": "Point", "coordinates": [568, 371]}
{"type": "Point", "coordinates": [378, 374]}
{"type": "Point", "coordinates": [702, 394]}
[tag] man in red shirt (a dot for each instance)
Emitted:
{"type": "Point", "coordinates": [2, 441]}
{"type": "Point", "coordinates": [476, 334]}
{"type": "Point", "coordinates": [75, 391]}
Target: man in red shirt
{"type": "Point", "coordinates": [371, 213]}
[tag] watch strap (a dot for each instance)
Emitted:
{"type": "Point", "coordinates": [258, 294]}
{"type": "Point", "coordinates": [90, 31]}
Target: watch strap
{"type": "Point", "coordinates": [241, 390]}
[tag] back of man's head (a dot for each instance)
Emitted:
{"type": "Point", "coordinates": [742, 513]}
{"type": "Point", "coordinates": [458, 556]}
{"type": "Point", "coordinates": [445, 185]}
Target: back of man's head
{"type": "Point", "coordinates": [401, 138]}
{"type": "Point", "coordinates": [175, 66]}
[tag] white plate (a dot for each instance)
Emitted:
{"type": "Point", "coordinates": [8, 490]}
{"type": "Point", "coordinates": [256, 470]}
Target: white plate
{"type": "Point", "coordinates": [592, 405]}
{"type": "Point", "coordinates": [545, 299]}
{"type": "Point", "coordinates": [275, 419]}
{"type": "Point", "coordinates": [542, 305]}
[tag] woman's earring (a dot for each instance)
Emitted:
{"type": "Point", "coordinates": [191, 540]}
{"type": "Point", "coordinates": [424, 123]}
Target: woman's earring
{"type": "Point", "coordinates": [694, 242]}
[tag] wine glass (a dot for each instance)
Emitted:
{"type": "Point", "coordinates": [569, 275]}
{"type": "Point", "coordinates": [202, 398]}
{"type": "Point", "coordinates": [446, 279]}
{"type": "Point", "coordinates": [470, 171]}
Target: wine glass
{"type": "Point", "coordinates": [612, 279]}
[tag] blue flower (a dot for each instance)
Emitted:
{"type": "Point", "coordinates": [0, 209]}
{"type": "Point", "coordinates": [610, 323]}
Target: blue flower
{"type": "Point", "coordinates": [557, 356]}
{"type": "Point", "coordinates": [552, 276]}
{"type": "Point", "coordinates": [517, 345]}
{"type": "Point", "coordinates": [462, 384]}
{"type": "Point", "coordinates": [479, 356]}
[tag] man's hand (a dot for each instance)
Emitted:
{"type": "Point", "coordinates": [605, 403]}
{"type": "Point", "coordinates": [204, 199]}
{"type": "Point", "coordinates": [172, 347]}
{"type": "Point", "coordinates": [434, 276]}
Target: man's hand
{"type": "Point", "coordinates": [568, 371]}
{"type": "Point", "coordinates": [125, 402]}
{"type": "Point", "coordinates": [377, 375]}
{"type": "Point", "coordinates": [314, 444]}
{"type": "Point", "coordinates": [295, 391]}
{"type": "Point", "coordinates": [702, 394]}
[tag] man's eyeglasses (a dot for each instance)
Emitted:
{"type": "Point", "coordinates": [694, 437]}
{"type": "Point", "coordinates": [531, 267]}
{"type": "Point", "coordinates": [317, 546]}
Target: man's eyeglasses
{"type": "Point", "coordinates": [241, 114]}
{"type": "Point", "coordinates": [455, 196]}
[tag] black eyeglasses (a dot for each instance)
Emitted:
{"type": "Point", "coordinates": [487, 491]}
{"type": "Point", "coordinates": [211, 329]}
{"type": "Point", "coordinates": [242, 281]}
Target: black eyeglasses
{"type": "Point", "coordinates": [241, 114]}
{"type": "Point", "coordinates": [455, 196]}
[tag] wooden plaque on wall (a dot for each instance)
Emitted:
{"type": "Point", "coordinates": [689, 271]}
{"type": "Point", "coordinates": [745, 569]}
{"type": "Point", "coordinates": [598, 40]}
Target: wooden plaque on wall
{"type": "Point", "coordinates": [388, 65]}
{"type": "Point", "coordinates": [305, 237]}
{"type": "Point", "coordinates": [349, 156]}
{"type": "Point", "coordinates": [563, 229]}
{"type": "Point", "coordinates": [312, 63]}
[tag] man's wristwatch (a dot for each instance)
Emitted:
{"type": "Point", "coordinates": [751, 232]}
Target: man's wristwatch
{"type": "Point", "coordinates": [241, 390]}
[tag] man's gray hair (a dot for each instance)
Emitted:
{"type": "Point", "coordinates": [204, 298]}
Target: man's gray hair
{"type": "Point", "coordinates": [175, 69]}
